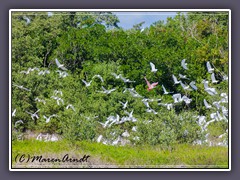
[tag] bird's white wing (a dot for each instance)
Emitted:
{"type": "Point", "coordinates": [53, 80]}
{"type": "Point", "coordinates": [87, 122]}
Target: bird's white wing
{"type": "Point", "coordinates": [165, 91]}
{"type": "Point", "coordinates": [213, 77]}
{"type": "Point", "coordinates": [209, 66]}
{"type": "Point", "coordinates": [84, 82]}
{"type": "Point", "coordinates": [146, 103]}
{"type": "Point", "coordinates": [152, 66]}
{"type": "Point", "coordinates": [57, 62]}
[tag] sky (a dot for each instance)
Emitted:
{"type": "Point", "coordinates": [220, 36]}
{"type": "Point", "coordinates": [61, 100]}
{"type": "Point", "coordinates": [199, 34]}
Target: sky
{"type": "Point", "coordinates": [128, 19]}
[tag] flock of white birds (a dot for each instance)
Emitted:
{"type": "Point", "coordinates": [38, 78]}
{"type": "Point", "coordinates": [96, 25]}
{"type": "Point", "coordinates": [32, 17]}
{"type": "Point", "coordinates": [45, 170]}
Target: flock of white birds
{"type": "Point", "coordinates": [219, 108]}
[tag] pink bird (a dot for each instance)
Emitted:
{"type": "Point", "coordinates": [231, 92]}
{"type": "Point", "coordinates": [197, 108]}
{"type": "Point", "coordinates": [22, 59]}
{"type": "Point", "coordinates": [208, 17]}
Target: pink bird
{"type": "Point", "coordinates": [150, 86]}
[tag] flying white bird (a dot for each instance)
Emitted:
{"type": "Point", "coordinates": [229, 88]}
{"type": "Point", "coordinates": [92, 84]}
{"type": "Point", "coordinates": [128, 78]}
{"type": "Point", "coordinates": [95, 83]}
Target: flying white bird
{"type": "Point", "coordinates": [21, 87]}
{"type": "Point", "coordinates": [175, 80]}
{"type": "Point", "coordinates": [60, 65]}
{"type": "Point", "coordinates": [183, 76]}
{"type": "Point", "coordinates": [130, 116]}
{"type": "Point", "coordinates": [150, 86]}
{"type": "Point", "coordinates": [55, 92]}
{"type": "Point", "coordinates": [48, 118]}
{"type": "Point", "coordinates": [142, 30]}
{"type": "Point", "coordinates": [211, 91]}
{"type": "Point", "coordinates": [177, 97]}
{"type": "Point", "coordinates": [62, 74]}
{"type": "Point", "coordinates": [186, 99]}
{"type": "Point", "coordinates": [168, 105]}
{"type": "Point", "coordinates": [146, 104]}
{"type": "Point", "coordinates": [125, 134]}
{"type": "Point", "coordinates": [213, 78]}
{"type": "Point", "coordinates": [192, 84]}
{"type": "Point", "coordinates": [98, 76]}
{"type": "Point", "coordinates": [17, 122]}
{"type": "Point", "coordinates": [153, 67]}
{"type": "Point", "coordinates": [40, 100]}
{"type": "Point", "coordinates": [58, 99]}
{"type": "Point", "coordinates": [87, 83]}
{"type": "Point", "coordinates": [43, 72]}
{"type": "Point", "coordinates": [217, 104]}
{"type": "Point", "coordinates": [70, 106]}
{"type": "Point", "coordinates": [206, 104]}
{"type": "Point", "coordinates": [165, 91]}
{"type": "Point", "coordinates": [224, 111]}
{"type": "Point", "coordinates": [26, 72]}
{"type": "Point", "coordinates": [34, 114]}
{"type": "Point", "coordinates": [150, 110]}
{"type": "Point", "coordinates": [99, 138]}
{"type": "Point", "coordinates": [116, 76]}
{"type": "Point", "coordinates": [124, 104]}
{"type": "Point", "coordinates": [134, 128]}
{"type": "Point", "coordinates": [210, 69]}
{"type": "Point", "coordinates": [105, 91]}
{"type": "Point", "coordinates": [183, 64]}
{"type": "Point", "coordinates": [126, 80]}
{"type": "Point", "coordinates": [14, 112]}
{"type": "Point", "coordinates": [185, 87]}
{"type": "Point", "coordinates": [225, 77]}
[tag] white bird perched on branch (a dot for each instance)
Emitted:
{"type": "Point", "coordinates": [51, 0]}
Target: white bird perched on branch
{"type": "Point", "coordinates": [165, 91]}
{"type": "Point", "coordinates": [153, 69]}
{"type": "Point", "coordinates": [21, 87]}
{"type": "Point", "coordinates": [98, 76]}
{"type": "Point", "coordinates": [192, 84]}
{"type": "Point", "coordinates": [70, 106]}
{"type": "Point", "coordinates": [124, 104]}
{"type": "Point", "coordinates": [183, 64]}
{"type": "Point", "coordinates": [213, 78]}
{"type": "Point", "coordinates": [34, 114]}
{"type": "Point", "coordinates": [48, 118]}
{"type": "Point", "coordinates": [210, 69]}
{"type": "Point", "coordinates": [60, 65]}
{"type": "Point", "coordinates": [14, 112]}
{"type": "Point", "coordinates": [105, 91]}
{"type": "Point", "coordinates": [175, 80]}
{"type": "Point", "coordinates": [206, 104]}
{"type": "Point", "coordinates": [86, 83]}
{"type": "Point", "coordinates": [150, 110]}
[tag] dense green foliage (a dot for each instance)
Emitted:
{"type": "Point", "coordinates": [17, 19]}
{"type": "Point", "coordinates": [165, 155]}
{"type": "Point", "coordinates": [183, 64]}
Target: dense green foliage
{"type": "Point", "coordinates": [89, 44]}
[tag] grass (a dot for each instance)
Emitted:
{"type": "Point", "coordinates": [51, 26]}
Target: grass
{"type": "Point", "coordinates": [103, 156]}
